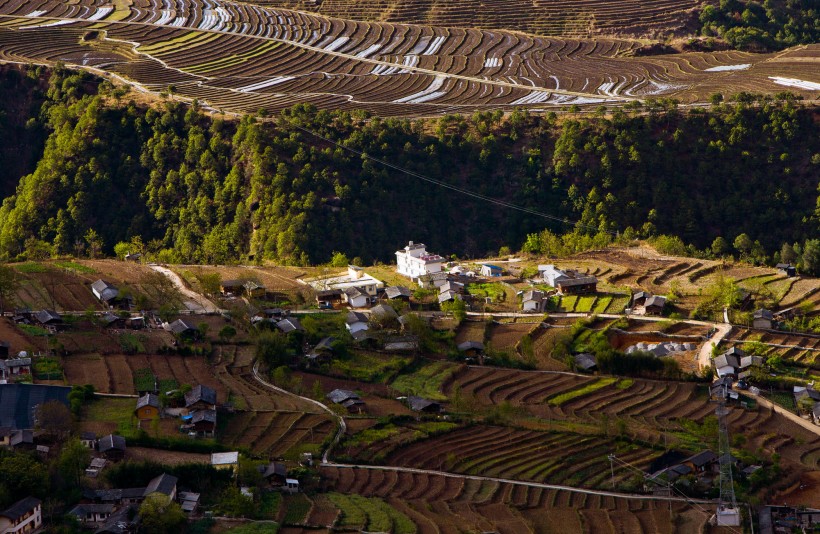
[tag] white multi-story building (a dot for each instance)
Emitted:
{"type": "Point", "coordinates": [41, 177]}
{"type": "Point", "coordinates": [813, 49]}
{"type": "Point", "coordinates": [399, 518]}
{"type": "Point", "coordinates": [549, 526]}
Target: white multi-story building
{"type": "Point", "coordinates": [414, 261]}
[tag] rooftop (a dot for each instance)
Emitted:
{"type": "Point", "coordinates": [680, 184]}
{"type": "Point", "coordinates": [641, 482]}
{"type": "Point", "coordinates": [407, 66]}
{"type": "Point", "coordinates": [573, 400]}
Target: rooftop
{"type": "Point", "coordinates": [224, 458]}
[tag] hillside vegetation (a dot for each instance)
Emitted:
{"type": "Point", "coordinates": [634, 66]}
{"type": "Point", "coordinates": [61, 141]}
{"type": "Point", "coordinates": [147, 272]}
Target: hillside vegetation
{"type": "Point", "coordinates": [195, 188]}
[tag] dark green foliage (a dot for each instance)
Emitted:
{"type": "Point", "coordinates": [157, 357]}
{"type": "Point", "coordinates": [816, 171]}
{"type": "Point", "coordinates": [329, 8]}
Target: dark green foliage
{"type": "Point", "coordinates": [21, 475]}
{"type": "Point", "coordinates": [183, 186]}
{"type": "Point", "coordinates": [201, 478]}
{"type": "Point", "coordinates": [760, 26]}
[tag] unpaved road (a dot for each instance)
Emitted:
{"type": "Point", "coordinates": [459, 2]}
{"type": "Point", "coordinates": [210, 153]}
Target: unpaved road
{"type": "Point", "coordinates": [705, 354]}
{"type": "Point", "coordinates": [193, 301]}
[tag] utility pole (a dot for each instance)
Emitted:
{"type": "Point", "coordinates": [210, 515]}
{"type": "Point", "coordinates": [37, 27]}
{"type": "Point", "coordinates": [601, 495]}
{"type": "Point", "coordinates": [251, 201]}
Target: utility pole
{"type": "Point", "coordinates": [727, 513]}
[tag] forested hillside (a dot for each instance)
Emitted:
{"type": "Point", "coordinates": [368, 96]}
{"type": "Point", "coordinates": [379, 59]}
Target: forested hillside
{"type": "Point", "coordinates": [200, 189]}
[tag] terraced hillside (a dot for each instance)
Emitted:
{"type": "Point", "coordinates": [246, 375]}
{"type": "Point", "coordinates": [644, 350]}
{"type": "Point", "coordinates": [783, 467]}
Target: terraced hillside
{"type": "Point", "coordinates": [653, 410]}
{"type": "Point", "coordinates": [242, 57]}
{"type": "Point", "coordinates": [632, 18]}
{"type": "Point", "coordinates": [440, 504]}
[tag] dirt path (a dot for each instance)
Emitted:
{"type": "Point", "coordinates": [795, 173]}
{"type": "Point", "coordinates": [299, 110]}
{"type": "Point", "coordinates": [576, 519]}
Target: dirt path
{"type": "Point", "coordinates": [194, 302]}
{"type": "Point", "coordinates": [604, 493]}
{"type": "Point", "coordinates": [705, 354]}
{"type": "Point", "coordinates": [793, 417]}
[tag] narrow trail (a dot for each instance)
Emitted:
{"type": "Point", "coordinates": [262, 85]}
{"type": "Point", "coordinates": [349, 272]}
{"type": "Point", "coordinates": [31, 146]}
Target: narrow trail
{"type": "Point", "coordinates": [196, 303]}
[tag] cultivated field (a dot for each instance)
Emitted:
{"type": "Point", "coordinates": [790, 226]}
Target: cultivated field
{"type": "Point", "coordinates": [438, 504]}
{"type": "Point", "coordinates": [277, 434]}
{"type": "Point", "coordinates": [549, 457]}
{"type": "Point", "coordinates": [652, 410]}
{"type": "Point", "coordinates": [557, 17]}
{"type": "Point", "coordinates": [642, 269]}
{"type": "Point", "coordinates": [66, 285]}
{"type": "Point", "coordinates": [114, 373]}
{"type": "Point", "coordinates": [242, 57]}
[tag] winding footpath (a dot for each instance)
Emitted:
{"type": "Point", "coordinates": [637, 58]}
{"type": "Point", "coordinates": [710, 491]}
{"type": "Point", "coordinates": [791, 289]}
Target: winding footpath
{"type": "Point", "coordinates": [196, 303]}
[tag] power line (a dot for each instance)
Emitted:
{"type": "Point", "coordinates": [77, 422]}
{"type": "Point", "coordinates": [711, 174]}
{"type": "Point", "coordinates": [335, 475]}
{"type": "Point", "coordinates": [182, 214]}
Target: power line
{"type": "Point", "coordinates": [672, 487]}
{"type": "Point", "coordinates": [460, 190]}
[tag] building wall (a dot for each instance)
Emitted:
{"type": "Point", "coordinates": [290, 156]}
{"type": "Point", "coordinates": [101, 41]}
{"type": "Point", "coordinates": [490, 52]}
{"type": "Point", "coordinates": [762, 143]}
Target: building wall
{"type": "Point", "coordinates": [414, 267]}
{"type": "Point", "coordinates": [147, 412]}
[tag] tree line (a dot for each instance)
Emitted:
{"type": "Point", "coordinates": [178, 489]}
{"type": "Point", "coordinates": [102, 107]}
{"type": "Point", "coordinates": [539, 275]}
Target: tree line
{"type": "Point", "coordinates": [179, 185]}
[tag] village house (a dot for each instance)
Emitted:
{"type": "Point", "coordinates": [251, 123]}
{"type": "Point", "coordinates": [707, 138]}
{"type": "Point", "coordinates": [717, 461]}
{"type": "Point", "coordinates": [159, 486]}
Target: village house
{"type": "Point", "coordinates": [585, 362]}
{"type": "Point", "coordinates": [122, 521]}
{"type": "Point", "coordinates": [203, 422]}
{"type": "Point", "coordinates": [356, 322]}
{"type": "Point", "coordinates": [398, 292]}
{"type": "Point", "coordinates": [200, 398]}
{"type": "Point", "coordinates": [148, 407]}
{"type": "Point", "coordinates": [329, 298]}
{"type": "Point", "coordinates": [355, 287]}
{"type": "Point", "coordinates": [356, 297]}
{"type": "Point", "coordinates": [274, 473]}
{"type": "Point", "coordinates": [184, 329]}
{"type": "Point", "coordinates": [654, 305]}
{"type": "Point", "coordinates": [433, 280]}
{"type": "Point", "coordinates": [92, 513]}
{"type": "Point", "coordinates": [533, 301]}
{"type": "Point", "coordinates": [109, 320]}
{"type": "Point", "coordinates": [225, 460]}
{"type": "Point", "coordinates": [471, 348]}
{"type": "Point", "coordinates": [420, 404]}
{"type": "Point", "coordinates": [24, 516]}
{"type": "Point", "coordinates": [290, 324]}
{"type": "Point", "coordinates": [451, 285]}
{"type": "Point", "coordinates": [401, 343]}
{"type": "Point", "coordinates": [702, 462]}
{"type": "Point", "coordinates": [163, 484]}
{"type": "Point", "coordinates": [95, 466]}
{"type": "Point", "coordinates": [112, 447]}
{"type": "Point", "coordinates": [348, 399]}
{"type": "Point", "coordinates": [49, 318]}
{"type": "Point", "coordinates": [763, 318]}
{"type": "Point", "coordinates": [448, 296]}
{"type": "Point", "coordinates": [322, 352]}
{"type": "Point", "coordinates": [414, 261]}
{"type": "Point", "coordinates": [490, 271]}
{"type": "Point", "coordinates": [383, 312]}
{"type": "Point", "coordinates": [568, 282]}
{"type": "Point", "coordinates": [254, 289]}
{"type": "Point", "coordinates": [88, 439]}
{"type": "Point", "coordinates": [231, 287]}
{"type": "Point", "coordinates": [15, 367]}
{"type": "Point", "coordinates": [787, 268]}
{"type": "Point", "coordinates": [105, 292]}
{"type": "Point", "coordinates": [736, 364]}
{"type": "Point", "coordinates": [188, 501]}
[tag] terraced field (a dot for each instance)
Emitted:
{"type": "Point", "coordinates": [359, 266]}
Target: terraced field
{"type": "Point", "coordinates": [278, 434]}
{"type": "Point", "coordinates": [242, 57]}
{"type": "Point", "coordinates": [556, 457]}
{"type": "Point", "coordinates": [439, 504]}
{"type": "Point", "coordinates": [650, 409]}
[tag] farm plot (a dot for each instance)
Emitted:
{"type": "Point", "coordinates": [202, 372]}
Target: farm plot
{"type": "Point", "coordinates": [119, 373]}
{"type": "Point", "coordinates": [505, 336]}
{"type": "Point", "coordinates": [471, 331]}
{"type": "Point", "coordinates": [277, 434]}
{"type": "Point", "coordinates": [435, 504]}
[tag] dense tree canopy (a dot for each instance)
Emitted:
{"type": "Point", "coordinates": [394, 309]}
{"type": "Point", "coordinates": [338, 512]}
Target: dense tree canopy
{"type": "Point", "coordinates": [767, 25]}
{"type": "Point", "coordinates": [184, 186]}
